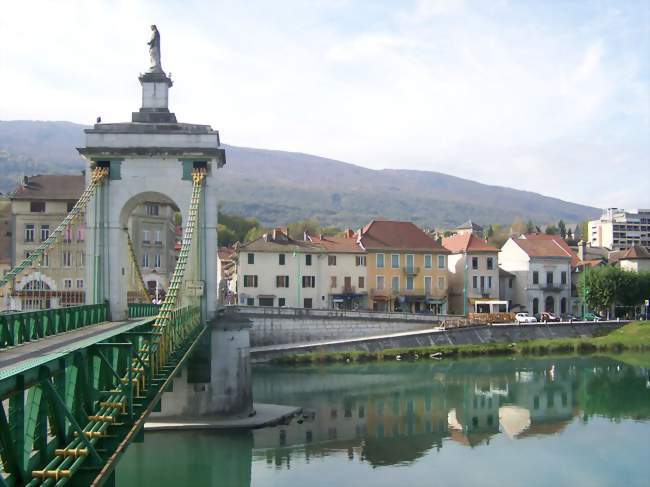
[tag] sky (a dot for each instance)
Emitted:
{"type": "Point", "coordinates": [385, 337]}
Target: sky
{"type": "Point", "coordinates": [548, 96]}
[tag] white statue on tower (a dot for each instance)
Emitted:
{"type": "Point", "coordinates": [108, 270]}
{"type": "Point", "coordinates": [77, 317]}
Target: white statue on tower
{"type": "Point", "coordinates": [154, 51]}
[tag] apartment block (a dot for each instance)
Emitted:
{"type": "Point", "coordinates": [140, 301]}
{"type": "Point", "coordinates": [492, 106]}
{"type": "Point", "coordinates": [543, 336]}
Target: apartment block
{"type": "Point", "coordinates": [618, 229]}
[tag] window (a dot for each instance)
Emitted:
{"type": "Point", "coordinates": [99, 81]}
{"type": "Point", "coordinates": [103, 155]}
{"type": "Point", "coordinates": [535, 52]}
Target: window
{"type": "Point", "coordinates": [380, 261]}
{"type": "Point", "coordinates": [308, 281]}
{"type": "Point", "coordinates": [158, 236]}
{"type": "Point", "coordinates": [152, 209]}
{"type": "Point", "coordinates": [427, 284]}
{"type": "Point", "coordinates": [145, 236]}
{"type": "Point", "coordinates": [281, 281]}
{"type": "Point", "coordinates": [282, 302]}
{"type": "Point", "coordinates": [37, 206]}
{"type": "Point", "coordinates": [490, 263]}
{"type": "Point", "coordinates": [282, 259]}
{"type": "Point", "coordinates": [549, 278]}
{"type": "Point", "coordinates": [535, 306]}
{"type": "Point", "coordinates": [394, 261]}
{"type": "Point", "coordinates": [250, 301]}
{"type": "Point", "coordinates": [394, 283]}
{"type": "Point", "coordinates": [474, 282]}
{"type": "Point", "coordinates": [380, 282]}
{"type": "Point", "coordinates": [81, 234]}
{"type": "Point", "coordinates": [251, 258]}
{"type": "Point", "coordinates": [67, 283]}
{"type": "Point", "coordinates": [510, 282]}
{"type": "Point", "coordinates": [563, 277]}
{"type": "Point", "coordinates": [81, 258]}
{"type": "Point", "coordinates": [362, 282]}
{"type": "Point", "coordinates": [409, 283]}
{"type": "Point", "coordinates": [331, 260]}
{"type": "Point", "coordinates": [332, 281]}
{"type": "Point", "coordinates": [482, 282]}
{"type": "Point", "coordinates": [563, 306]}
{"type": "Point", "coordinates": [360, 260]}
{"type": "Point", "coordinates": [268, 302]}
{"type": "Point", "coordinates": [490, 282]}
{"type": "Point", "coordinates": [307, 303]}
{"type": "Point", "coordinates": [45, 232]}
{"type": "Point", "coordinates": [46, 260]}
{"type": "Point", "coordinates": [145, 259]}
{"type": "Point", "coordinates": [441, 262]}
{"type": "Point", "coordinates": [67, 235]}
{"type": "Point", "coordinates": [474, 263]}
{"type": "Point", "coordinates": [70, 205]}
{"type": "Point", "coordinates": [308, 259]}
{"type": "Point", "coordinates": [67, 258]}
{"type": "Point", "coordinates": [428, 261]}
{"type": "Point", "coordinates": [156, 260]}
{"type": "Point", "coordinates": [80, 283]}
{"type": "Point", "coordinates": [535, 277]}
{"type": "Point", "coordinates": [250, 280]}
{"type": "Point", "coordinates": [441, 282]}
{"type": "Point", "coordinates": [29, 233]}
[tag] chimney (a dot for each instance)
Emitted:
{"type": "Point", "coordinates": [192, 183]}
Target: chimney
{"type": "Point", "coordinates": [582, 250]}
{"type": "Point", "coordinates": [25, 181]}
{"type": "Point", "coordinates": [349, 233]}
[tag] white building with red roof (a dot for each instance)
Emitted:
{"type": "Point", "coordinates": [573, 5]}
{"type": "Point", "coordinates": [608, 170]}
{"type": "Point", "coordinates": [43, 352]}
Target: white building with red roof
{"type": "Point", "coordinates": [473, 272]}
{"type": "Point", "coordinates": [542, 265]}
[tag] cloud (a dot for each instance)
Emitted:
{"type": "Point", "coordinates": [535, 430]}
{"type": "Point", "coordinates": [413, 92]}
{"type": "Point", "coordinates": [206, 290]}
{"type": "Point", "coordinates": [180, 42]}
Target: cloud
{"type": "Point", "coordinates": [514, 94]}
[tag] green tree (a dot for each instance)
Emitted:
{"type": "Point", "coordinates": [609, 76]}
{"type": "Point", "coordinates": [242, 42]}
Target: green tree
{"type": "Point", "coordinates": [518, 226]}
{"type": "Point", "coordinates": [562, 228]}
{"type": "Point", "coordinates": [605, 286]}
{"type": "Point", "coordinates": [569, 236]}
{"type": "Point", "coordinates": [297, 229]}
{"type": "Point", "coordinates": [551, 230]}
{"type": "Point", "coordinates": [254, 234]}
{"type": "Point", "coordinates": [531, 227]}
{"type": "Point", "coordinates": [330, 231]}
{"type": "Point", "coordinates": [227, 236]}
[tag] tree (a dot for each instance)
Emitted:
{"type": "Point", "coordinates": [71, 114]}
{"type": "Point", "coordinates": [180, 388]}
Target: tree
{"type": "Point", "coordinates": [569, 235]}
{"type": "Point", "coordinates": [551, 230]}
{"type": "Point", "coordinates": [297, 229]}
{"type": "Point", "coordinates": [254, 234]}
{"type": "Point", "coordinates": [227, 236]}
{"type": "Point", "coordinates": [330, 231]}
{"type": "Point", "coordinates": [562, 228]}
{"type": "Point", "coordinates": [603, 287]}
{"type": "Point", "coordinates": [518, 226]}
{"type": "Point", "coordinates": [531, 227]}
{"type": "Point", "coordinates": [490, 232]}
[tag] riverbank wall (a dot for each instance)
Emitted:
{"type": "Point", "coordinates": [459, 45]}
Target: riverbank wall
{"type": "Point", "coordinates": [469, 335]}
{"type": "Point", "coordinates": [276, 326]}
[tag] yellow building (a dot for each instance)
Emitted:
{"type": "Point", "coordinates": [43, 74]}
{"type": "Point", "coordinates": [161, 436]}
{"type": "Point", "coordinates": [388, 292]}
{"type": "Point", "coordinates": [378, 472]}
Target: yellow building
{"type": "Point", "coordinates": [407, 269]}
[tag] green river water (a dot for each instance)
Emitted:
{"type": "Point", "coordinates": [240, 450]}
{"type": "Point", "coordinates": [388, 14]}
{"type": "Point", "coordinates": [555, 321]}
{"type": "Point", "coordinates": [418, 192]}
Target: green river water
{"type": "Point", "coordinates": [489, 422]}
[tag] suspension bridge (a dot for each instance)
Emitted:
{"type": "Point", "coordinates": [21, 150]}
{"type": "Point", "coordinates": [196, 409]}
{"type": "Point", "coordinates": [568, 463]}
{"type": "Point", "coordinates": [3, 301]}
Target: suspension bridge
{"type": "Point", "coordinates": [78, 382]}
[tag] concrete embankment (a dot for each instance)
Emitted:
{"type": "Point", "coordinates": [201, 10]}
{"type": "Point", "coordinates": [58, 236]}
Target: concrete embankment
{"type": "Point", "coordinates": [274, 326]}
{"type": "Point", "coordinates": [438, 337]}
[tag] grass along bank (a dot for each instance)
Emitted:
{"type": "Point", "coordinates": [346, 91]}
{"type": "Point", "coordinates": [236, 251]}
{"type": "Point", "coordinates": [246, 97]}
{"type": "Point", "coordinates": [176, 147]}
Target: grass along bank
{"type": "Point", "coordinates": [633, 337]}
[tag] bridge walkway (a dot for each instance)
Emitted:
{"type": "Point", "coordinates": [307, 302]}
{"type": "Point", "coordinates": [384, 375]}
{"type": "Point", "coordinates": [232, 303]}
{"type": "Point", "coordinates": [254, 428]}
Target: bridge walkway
{"type": "Point", "coordinates": [15, 360]}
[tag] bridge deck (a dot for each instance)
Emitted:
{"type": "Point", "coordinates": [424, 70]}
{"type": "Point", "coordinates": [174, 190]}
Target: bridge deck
{"type": "Point", "coordinates": [31, 354]}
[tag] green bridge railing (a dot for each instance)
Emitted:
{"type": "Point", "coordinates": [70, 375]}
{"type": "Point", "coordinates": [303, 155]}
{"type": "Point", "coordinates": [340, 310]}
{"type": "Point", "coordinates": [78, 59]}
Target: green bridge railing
{"type": "Point", "coordinates": [17, 328]}
{"type": "Point", "coordinates": [142, 310]}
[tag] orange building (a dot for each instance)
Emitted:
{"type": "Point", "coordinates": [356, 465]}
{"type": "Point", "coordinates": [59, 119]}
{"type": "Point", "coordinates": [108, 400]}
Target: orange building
{"type": "Point", "coordinates": [407, 269]}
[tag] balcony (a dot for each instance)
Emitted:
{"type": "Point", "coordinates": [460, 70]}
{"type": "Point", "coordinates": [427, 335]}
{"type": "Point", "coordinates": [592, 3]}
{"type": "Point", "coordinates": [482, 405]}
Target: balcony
{"type": "Point", "coordinates": [552, 287]}
{"type": "Point", "coordinates": [411, 270]}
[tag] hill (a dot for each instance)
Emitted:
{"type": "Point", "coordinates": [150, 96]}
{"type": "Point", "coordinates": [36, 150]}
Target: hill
{"type": "Point", "coordinates": [278, 187]}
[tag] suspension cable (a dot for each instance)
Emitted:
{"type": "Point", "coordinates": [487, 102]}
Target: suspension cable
{"type": "Point", "coordinates": [98, 176]}
{"type": "Point", "coordinates": [136, 268]}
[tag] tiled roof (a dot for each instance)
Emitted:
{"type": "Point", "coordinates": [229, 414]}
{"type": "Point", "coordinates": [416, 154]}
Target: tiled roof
{"type": "Point", "coordinates": [633, 253]}
{"type": "Point", "coordinates": [51, 187]}
{"type": "Point", "coordinates": [542, 245]}
{"type": "Point", "coordinates": [467, 242]}
{"type": "Point", "coordinates": [469, 224]}
{"type": "Point", "coordinates": [286, 244]}
{"type": "Point", "coordinates": [395, 235]}
{"type": "Point", "coordinates": [337, 244]}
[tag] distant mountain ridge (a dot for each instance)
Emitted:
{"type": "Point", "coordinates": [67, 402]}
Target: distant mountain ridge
{"type": "Point", "coordinates": [278, 187]}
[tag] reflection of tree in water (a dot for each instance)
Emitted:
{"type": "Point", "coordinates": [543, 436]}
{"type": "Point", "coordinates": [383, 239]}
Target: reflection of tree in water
{"type": "Point", "coordinates": [401, 450]}
{"type": "Point", "coordinates": [617, 394]}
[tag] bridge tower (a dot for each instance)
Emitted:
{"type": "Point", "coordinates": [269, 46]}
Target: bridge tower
{"type": "Point", "coordinates": [150, 159]}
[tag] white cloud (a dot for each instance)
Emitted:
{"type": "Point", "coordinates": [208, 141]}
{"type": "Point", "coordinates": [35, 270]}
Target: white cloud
{"type": "Point", "coordinates": [514, 97]}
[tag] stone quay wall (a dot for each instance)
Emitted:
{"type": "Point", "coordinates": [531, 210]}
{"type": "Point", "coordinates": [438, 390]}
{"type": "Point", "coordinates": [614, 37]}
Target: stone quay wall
{"type": "Point", "coordinates": [456, 336]}
{"type": "Point", "coordinates": [273, 326]}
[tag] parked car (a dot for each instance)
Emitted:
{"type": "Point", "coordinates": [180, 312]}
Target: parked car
{"type": "Point", "coordinates": [525, 318]}
{"type": "Point", "coordinates": [592, 317]}
{"type": "Point", "coordinates": [549, 317]}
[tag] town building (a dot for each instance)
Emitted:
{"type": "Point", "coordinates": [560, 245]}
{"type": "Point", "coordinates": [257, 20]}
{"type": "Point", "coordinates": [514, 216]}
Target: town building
{"type": "Point", "coordinates": [635, 259]}
{"type": "Point", "coordinates": [344, 271]}
{"type": "Point", "coordinates": [5, 249]}
{"type": "Point", "coordinates": [618, 229]}
{"type": "Point", "coordinates": [153, 233]}
{"type": "Point", "coordinates": [277, 270]}
{"type": "Point", "coordinates": [469, 227]}
{"type": "Point", "coordinates": [542, 266]}
{"type": "Point", "coordinates": [473, 273]}
{"type": "Point", "coordinates": [226, 269]}
{"type": "Point", "coordinates": [38, 206]}
{"type": "Point", "coordinates": [406, 268]}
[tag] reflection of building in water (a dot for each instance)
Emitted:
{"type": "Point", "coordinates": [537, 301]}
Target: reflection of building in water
{"type": "Point", "coordinates": [399, 424]}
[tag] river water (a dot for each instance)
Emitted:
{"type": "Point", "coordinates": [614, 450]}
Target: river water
{"type": "Point", "coordinates": [489, 422]}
